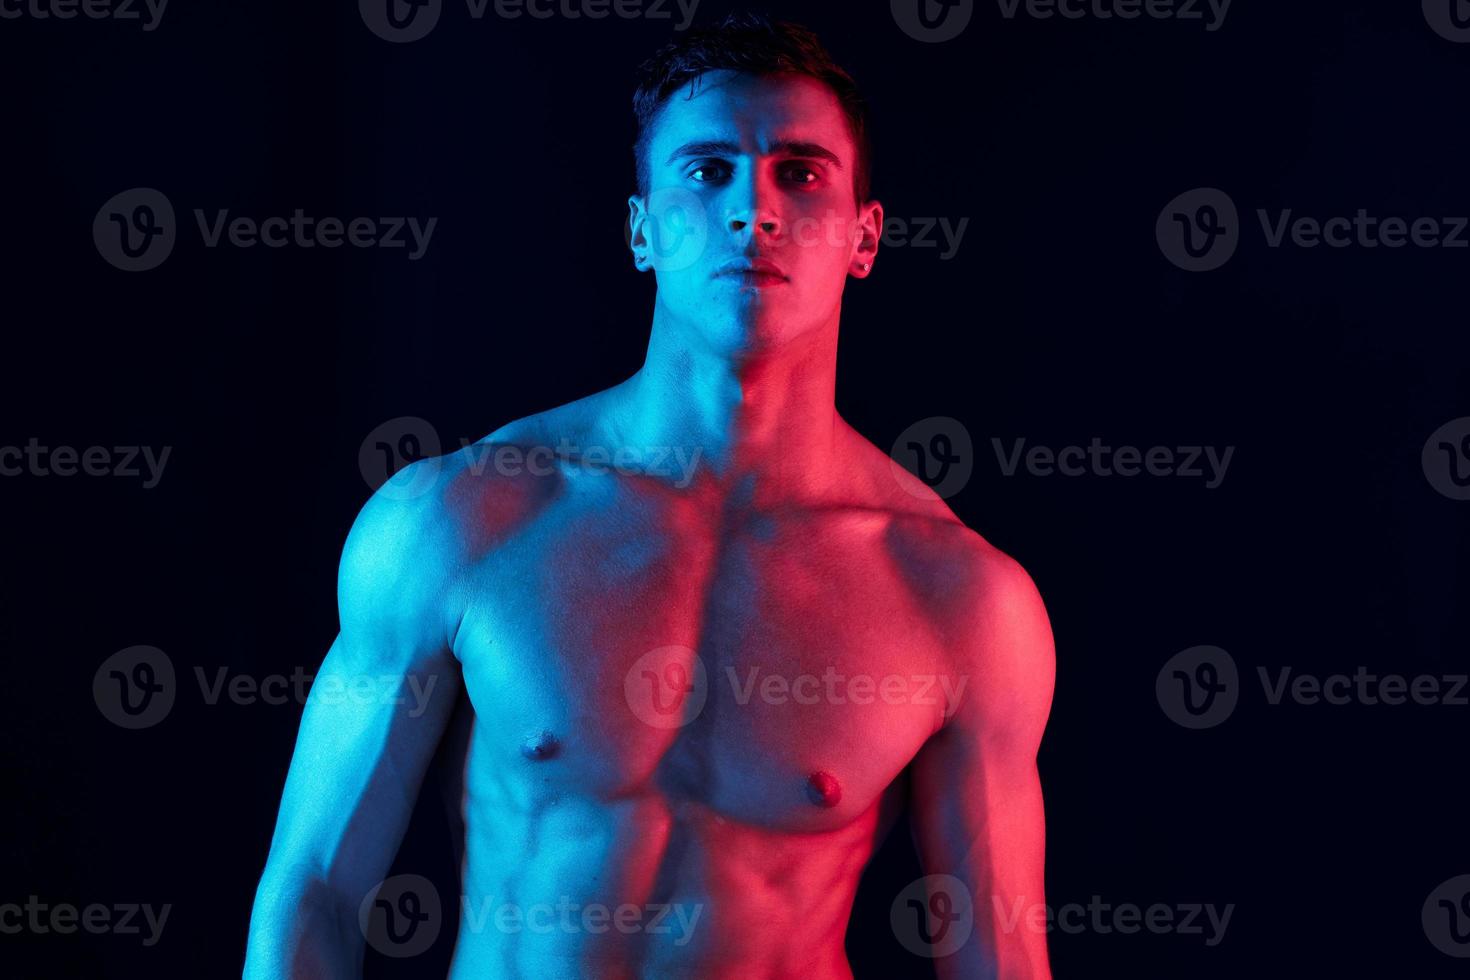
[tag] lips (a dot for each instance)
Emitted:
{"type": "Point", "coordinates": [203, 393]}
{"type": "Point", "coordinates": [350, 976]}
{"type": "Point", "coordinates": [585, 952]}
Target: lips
{"type": "Point", "coordinates": [757, 271]}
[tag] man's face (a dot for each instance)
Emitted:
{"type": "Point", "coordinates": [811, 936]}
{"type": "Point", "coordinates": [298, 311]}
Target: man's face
{"type": "Point", "coordinates": [752, 171]}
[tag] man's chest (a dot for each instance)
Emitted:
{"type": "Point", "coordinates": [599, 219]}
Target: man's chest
{"type": "Point", "coordinates": [779, 671]}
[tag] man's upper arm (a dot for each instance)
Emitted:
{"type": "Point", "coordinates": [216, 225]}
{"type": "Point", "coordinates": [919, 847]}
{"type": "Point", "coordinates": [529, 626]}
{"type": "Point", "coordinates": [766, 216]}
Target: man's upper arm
{"type": "Point", "coordinates": [976, 808]}
{"type": "Point", "coordinates": [379, 703]}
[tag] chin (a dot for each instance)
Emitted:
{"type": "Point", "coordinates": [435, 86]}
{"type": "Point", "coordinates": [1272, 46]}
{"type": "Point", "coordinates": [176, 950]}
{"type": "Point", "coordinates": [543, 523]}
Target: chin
{"type": "Point", "coordinates": [754, 330]}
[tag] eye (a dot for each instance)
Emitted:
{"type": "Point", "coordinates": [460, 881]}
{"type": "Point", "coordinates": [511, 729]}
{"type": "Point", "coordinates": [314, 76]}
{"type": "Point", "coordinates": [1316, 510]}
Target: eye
{"type": "Point", "coordinates": [799, 173]}
{"type": "Point", "coordinates": [709, 172]}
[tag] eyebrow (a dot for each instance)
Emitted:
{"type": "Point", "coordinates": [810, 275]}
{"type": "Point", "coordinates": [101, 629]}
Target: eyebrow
{"type": "Point", "coordinates": [724, 148]}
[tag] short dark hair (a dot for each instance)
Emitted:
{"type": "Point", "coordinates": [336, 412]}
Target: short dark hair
{"type": "Point", "coordinates": [747, 42]}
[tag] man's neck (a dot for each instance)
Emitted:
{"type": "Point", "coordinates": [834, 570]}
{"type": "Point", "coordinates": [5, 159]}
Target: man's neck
{"type": "Point", "coordinates": [763, 422]}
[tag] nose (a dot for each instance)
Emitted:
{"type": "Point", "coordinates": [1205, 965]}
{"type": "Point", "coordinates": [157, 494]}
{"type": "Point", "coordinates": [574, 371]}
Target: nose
{"type": "Point", "coordinates": [748, 213]}
{"type": "Point", "coordinates": [752, 222]}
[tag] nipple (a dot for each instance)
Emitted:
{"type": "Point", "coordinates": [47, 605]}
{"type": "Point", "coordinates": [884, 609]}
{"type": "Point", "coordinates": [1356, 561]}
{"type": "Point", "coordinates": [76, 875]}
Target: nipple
{"type": "Point", "coordinates": [540, 746]}
{"type": "Point", "coordinates": [823, 789]}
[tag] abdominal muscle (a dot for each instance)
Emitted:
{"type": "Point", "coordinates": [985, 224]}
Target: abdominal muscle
{"type": "Point", "coordinates": [648, 888]}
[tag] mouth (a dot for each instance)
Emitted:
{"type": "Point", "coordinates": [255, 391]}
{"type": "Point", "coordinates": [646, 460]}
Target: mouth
{"type": "Point", "coordinates": [759, 273]}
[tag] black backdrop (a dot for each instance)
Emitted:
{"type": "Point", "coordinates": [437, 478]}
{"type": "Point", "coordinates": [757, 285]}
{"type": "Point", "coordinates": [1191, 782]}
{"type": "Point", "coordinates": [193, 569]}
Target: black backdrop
{"type": "Point", "coordinates": [1327, 546]}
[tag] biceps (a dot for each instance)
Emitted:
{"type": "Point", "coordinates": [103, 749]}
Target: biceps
{"type": "Point", "coordinates": [978, 812]}
{"type": "Point", "coordinates": [366, 738]}
{"type": "Point", "coordinates": [978, 821]}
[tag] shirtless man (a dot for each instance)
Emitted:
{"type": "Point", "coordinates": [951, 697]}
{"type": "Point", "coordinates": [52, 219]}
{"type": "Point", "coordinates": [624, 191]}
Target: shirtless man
{"type": "Point", "coordinates": [614, 631]}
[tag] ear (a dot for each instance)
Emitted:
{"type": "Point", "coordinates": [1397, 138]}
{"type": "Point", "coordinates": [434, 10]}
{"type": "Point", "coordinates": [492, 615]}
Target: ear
{"type": "Point", "coordinates": [865, 243]}
{"type": "Point", "coordinates": [636, 231]}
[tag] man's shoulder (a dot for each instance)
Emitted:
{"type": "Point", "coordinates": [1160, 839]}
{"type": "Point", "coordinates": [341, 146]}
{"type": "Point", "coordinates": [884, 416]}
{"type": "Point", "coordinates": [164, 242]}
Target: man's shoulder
{"type": "Point", "coordinates": [1000, 633]}
{"type": "Point", "coordinates": [957, 572]}
{"type": "Point", "coordinates": [460, 502]}
{"type": "Point", "coordinates": [883, 483]}
{"type": "Point", "coordinates": [576, 422]}
{"type": "Point", "coordinates": [435, 519]}
{"type": "Point", "coordinates": [966, 584]}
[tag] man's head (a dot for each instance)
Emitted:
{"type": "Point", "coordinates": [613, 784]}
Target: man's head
{"type": "Point", "coordinates": [752, 148]}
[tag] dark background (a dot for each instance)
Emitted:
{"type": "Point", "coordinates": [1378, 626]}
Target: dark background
{"type": "Point", "coordinates": [1059, 319]}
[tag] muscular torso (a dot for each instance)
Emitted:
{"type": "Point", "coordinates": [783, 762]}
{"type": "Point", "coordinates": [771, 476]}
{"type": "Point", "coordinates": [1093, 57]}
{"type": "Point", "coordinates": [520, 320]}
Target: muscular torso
{"type": "Point", "coordinates": [686, 718]}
